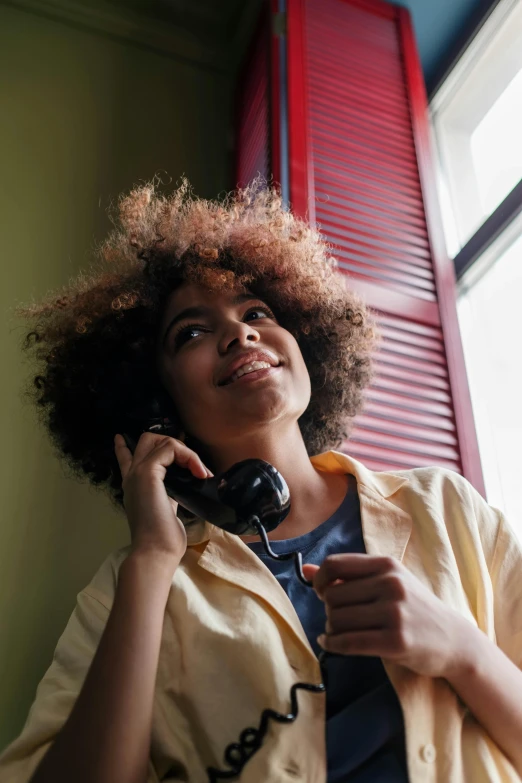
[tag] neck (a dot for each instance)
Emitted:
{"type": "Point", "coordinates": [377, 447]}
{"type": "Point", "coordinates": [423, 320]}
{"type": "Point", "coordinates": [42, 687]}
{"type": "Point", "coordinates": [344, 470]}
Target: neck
{"type": "Point", "coordinates": [315, 494]}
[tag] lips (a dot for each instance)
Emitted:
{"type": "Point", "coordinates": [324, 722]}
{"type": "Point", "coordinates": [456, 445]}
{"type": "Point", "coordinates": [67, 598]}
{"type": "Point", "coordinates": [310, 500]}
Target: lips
{"type": "Point", "coordinates": [247, 358]}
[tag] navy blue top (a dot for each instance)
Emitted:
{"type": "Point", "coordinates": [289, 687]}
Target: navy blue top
{"type": "Point", "coordinates": [364, 724]}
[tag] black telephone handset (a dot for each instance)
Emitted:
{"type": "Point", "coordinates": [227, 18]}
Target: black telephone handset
{"type": "Point", "coordinates": [251, 497]}
{"type": "Point", "coordinates": [249, 490]}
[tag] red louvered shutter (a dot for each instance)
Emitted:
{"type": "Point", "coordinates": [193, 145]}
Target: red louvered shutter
{"type": "Point", "coordinates": [359, 165]}
{"type": "Point", "coordinates": [252, 110]}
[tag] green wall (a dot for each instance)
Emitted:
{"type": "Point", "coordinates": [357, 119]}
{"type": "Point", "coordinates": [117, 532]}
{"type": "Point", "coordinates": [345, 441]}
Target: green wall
{"type": "Point", "coordinates": [83, 117]}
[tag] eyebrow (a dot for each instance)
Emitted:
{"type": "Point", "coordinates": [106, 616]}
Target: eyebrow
{"type": "Point", "coordinates": [201, 311]}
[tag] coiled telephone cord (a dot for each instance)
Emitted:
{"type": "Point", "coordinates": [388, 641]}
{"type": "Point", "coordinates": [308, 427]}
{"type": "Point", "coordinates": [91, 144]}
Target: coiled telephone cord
{"type": "Point", "coordinates": [250, 740]}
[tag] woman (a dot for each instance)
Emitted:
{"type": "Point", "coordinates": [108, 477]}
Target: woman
{"type": "Point", "coordinates": [185, 636]}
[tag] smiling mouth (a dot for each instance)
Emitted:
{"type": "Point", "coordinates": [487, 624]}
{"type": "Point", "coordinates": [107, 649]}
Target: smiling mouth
{"type": "Point", "coordinates": [254, 375]}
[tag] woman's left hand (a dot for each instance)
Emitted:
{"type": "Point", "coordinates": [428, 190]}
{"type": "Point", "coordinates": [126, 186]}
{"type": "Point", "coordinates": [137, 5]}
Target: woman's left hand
{"type": "Point", "coordinates": [375, 606]}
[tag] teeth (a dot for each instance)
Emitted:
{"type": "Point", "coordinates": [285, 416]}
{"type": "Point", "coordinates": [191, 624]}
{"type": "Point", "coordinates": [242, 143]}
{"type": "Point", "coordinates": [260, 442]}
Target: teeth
{"type": "Point", "coordinates": [248, 368]}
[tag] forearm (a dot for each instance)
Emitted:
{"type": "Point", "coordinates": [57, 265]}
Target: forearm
{"type": "Point", "coordinates": [490, 685]}
{"type": "Point", "coordinates": [107, 735]}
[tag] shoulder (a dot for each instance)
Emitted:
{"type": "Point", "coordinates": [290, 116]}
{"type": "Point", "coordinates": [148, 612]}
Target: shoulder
{"type": "Point", "coordinates": [102, 587]}
{"type": "Point", "coordinates": [429, 483]}
{"type": "Point", "coordinates": [447, 498]}
{"type": "Point", "coordinates": [442, 485]}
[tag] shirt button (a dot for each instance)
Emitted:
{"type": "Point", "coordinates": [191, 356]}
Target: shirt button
{"type": "Point", "coordinates": [428, 753]}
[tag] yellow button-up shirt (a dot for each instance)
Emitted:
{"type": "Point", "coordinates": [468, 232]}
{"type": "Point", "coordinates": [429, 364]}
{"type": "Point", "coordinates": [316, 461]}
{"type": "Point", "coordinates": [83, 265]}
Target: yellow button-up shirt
{"type": "Point", "coordinates": [233, 644]}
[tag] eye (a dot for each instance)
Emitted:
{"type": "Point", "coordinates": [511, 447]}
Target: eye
{"type": "Point", "coordinates": [263, 309]}
{"type": "Point", "coordinates": [185, 333]}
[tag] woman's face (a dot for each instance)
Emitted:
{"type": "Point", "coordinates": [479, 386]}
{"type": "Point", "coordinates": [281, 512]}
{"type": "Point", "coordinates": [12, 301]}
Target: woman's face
{"type": "Point", "coordinates": [203, 336]}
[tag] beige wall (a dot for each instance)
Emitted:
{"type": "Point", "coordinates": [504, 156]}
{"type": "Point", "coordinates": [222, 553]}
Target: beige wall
{"type": "Point", "coordinates": [83, 117]}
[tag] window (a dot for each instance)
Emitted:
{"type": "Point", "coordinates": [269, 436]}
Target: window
{"type": "Point", "coordinates": [489, 316]}
{"type": "Point", "coordinates": [477, 116]}
{"type": "Point", "coordinates": [477, 122]}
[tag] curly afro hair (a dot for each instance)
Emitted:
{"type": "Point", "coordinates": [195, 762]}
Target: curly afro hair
{"type": "Point", "coordinates": [93, 342]}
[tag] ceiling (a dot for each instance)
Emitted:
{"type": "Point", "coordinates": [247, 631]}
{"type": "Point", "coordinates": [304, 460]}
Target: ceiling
{"type": "Point", "coordinates": [439, 25]}
{"type": "Point", "coordinates": [225, 26]}
{"type": "Point", "coordinates": [208, 18]}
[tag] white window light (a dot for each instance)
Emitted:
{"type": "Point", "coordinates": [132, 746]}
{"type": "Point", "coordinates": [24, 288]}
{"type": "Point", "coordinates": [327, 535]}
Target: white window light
{"type": "Point", "coordinates": [489, 318]}
{"type": "Point", "coordinates": [477, 118]}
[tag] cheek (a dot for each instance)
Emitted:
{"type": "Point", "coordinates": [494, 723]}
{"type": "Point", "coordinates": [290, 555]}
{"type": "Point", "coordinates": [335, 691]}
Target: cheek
{"type": "Point", "coordinates": [302, 368]}
{"type": "Point", "coordinates": [298, 386]}
{"type": "Point", "coordinates": [188, 376]}
{"type": "Point", "coordinates": [304, 379]}
{"type": "Point", "coordinates": [298, 365]}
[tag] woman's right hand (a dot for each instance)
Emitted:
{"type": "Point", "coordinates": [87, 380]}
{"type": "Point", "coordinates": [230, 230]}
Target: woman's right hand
{"type": "Point", "coordinates": [151, 513]}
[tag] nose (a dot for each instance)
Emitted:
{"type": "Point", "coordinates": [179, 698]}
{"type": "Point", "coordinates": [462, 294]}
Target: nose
{"type": "Point", "coordinates": [238, 333]}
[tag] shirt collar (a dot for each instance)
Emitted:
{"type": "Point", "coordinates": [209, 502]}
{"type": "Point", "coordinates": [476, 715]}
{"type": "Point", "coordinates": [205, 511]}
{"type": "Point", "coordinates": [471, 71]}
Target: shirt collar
{"type": "Point", "coordinates": [385, 484]}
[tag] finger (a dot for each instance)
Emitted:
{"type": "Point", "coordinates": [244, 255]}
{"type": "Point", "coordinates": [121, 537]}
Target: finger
{"type": "Point", "coordinates": [357, 591]}
{"type": "Point", "coordinates": [123, 455]}
{"type": "Point", "coordinates": [358, 618]}
{"type": "Point", "coordinates": [148, 442]}
{"type": "Point", "coordinates": [183, 456]}
{"type": "Point", "coordinates": [309, 571]}
{"type": "Point", "coordinates": [176, 451]}
{"type": "Point", "coordinates": [372, 643]}
{"type": "Point", "coordinates": [349, 566]}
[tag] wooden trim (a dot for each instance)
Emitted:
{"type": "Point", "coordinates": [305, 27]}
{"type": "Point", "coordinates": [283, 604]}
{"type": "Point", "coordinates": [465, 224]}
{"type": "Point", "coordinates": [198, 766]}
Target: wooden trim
{"type": "Point", "coordinates": [489, 231]}
{"type": "Point", "coordinates": [262, 29]}
{"type": "Point", "coordinates": [301, 171]}
{"type": "Point", "coordinates": [443, 268]}
{"type": "Point", "coordinates": [377, 7]}
{"type": "Point", "coordinates": [275, 98]}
